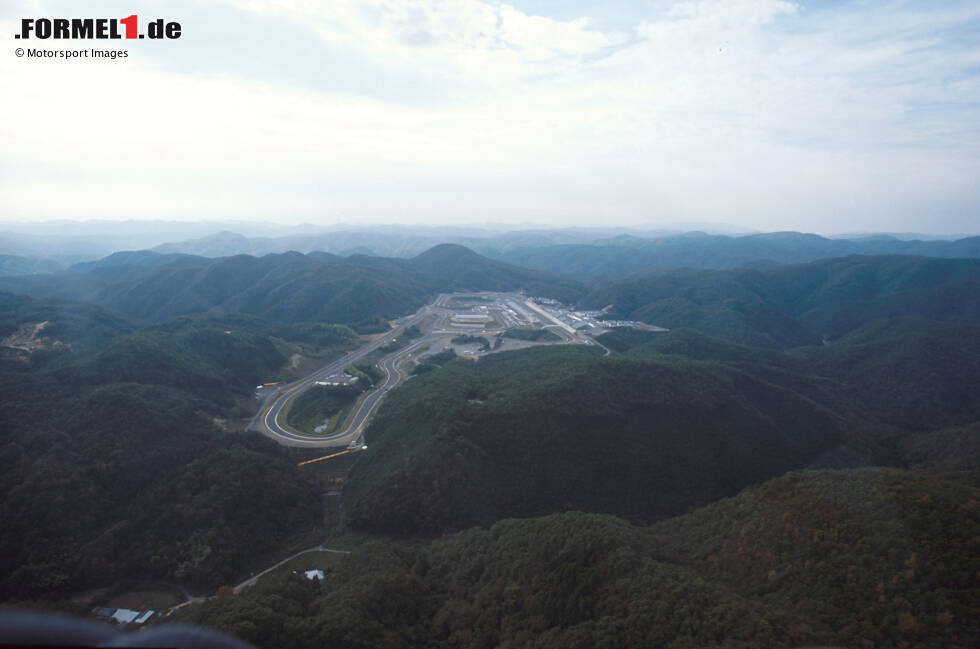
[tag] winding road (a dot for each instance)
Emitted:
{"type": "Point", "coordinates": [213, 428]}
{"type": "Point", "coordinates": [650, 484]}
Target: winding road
{"type": "Point", "coordinates": [271, 418]}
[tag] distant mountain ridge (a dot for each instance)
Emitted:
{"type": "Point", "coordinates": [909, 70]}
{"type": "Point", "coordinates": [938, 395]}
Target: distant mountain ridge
{"type": "Point", "coordinates": [590, 253]}
{"type": "Point", "coordinates": [627, 255]}
{"type": "Point", "coordinates": [583, 253]}
{"type": "Point", "coordinates": [395, 242]}
{"type": "Point", "coordinates": [288, 287]}
{"type": "Point", "coordinates": [613, 257]}
{"type": "Point", "coordinates": [13, 265]}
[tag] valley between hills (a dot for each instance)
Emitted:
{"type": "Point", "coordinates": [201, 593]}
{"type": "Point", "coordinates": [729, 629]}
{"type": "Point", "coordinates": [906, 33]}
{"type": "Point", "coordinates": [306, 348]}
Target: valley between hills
{"type": "Point", "coordinates": [773, 456]}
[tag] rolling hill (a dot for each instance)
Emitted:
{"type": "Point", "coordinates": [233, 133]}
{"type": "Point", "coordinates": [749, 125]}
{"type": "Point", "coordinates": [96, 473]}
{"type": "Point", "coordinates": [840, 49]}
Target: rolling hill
{"type": "Point", "coordinates": [789, 306]}
{"type": "Point", "coordinates": [587, 254]}
{"type": "Point", "coordinates": [683, 417]}
{"type": "Point", "coordinates": [126, 469]}
{"type": "Point", "coordinates": [854, 558]}
{"type": "Point", "coordinates": [288, 287]}
{"type": "Point", "coordinates": [910, 373]}
{"type": "Point", "coordinates": [117, 463]}
{"type": "Point", "coordinates": [549, 429]}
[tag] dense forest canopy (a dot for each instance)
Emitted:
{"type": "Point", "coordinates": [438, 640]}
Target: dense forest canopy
{"type": "Point", "coordinates": [790, 306]}
{"type": "Point", "coordinates": [552, 496]}
{"type": "Point", "coordinates": [534, 431]}
{"type": "Point", "coordinates": [115, 462]}
{"type": "Point", "coordinates": [826, 558]}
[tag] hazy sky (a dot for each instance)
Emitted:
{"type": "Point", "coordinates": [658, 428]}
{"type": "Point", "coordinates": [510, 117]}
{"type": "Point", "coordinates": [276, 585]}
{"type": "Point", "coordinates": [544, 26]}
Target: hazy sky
{"type": "Point", "coordinates": [817, 116]}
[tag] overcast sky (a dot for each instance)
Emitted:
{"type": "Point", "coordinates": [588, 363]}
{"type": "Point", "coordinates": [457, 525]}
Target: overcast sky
{"type": "Point", "coordinates": [818, 116]}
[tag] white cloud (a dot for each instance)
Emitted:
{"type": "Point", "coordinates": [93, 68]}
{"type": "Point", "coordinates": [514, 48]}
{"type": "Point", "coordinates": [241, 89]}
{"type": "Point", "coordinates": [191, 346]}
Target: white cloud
{"type": "Point", "coordinates": [756, 111]}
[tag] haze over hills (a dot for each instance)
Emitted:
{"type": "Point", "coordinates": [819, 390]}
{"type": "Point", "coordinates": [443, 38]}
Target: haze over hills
{"type": "Point", "coordinates": [13, 265]}
{"type": "Point", "coordinates": [781, 305]}
{"type": "Point", "coordinates": [137, 371]}
{"type": "Point", "coordinates": [626, 255]}
{"type": "Point", "coordinates": [492, 325]}
{"type": "Point", "coordinates": [95, 238]}
{"type": "Point", "coordinates": [584, 253]}
{"type": "Point", "coordinates": [393, 241]}
{"type": "Point", "coordinates": [288, 287]}
{"type": "Point", "coordinates": [590, 253]}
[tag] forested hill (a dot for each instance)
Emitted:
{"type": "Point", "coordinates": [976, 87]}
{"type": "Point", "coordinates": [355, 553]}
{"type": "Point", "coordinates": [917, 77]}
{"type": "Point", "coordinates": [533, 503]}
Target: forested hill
{"type": "Point", "coordinates": [117, 464]}
{"type": "Point", "coordinates": [619, 257]}
{"type": "Point", "coordinates": [75, 325]}
{"type": "Point", "coordinates": [288, 287]}
{"type": "Point", "coordinates": [542, 430]}
{"type": "Point", "coordinates": [787, 306]}
{"type": "Point", "coordinates": [914, 373]}
{"type": "Point", "coordinates": [869, 557]}
{"type": "Point", "coordinates": [668, 421]}
{"type": "Point", "coordinates": [832, 363]}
